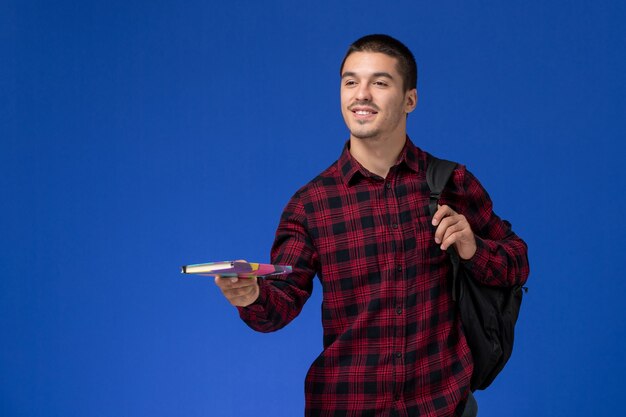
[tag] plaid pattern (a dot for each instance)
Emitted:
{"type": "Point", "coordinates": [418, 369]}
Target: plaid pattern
{"type": "Point", "coordinates": [393, 343]}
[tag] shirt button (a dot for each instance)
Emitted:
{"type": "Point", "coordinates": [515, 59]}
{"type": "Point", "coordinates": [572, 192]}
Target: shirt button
{"type": "Point", "coordinates": [398, 355]}
{"type": "Point", "coordinates": [399, 310]}
{"type": "Point", "coordinates": [395, 225]}
{"type": "Point", "coordinates": [398, 268]}
{"type": "Point", "coordinates": [388, 186]}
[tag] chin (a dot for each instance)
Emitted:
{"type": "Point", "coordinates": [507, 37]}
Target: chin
{"type": "Point", "coordinates": [364, 135]}
{"type": "Point", "coordinates": [361, 133]}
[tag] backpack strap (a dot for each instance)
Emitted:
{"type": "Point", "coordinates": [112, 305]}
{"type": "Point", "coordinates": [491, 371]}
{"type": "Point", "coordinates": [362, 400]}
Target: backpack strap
{"type": "Point", "coordinates": [438, 174]}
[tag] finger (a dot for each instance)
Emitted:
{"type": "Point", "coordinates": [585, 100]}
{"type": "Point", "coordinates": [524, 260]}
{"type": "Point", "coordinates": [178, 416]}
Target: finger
{"type": "Point", "coordinates": [241, 296]}
{"type": "Point", "coordinates": [456, 224]}
{"type": "Point", "coordinates": [224, 282]}
{"type": "Point", "coordinates": [451, 239]}
{"type": "Point", "coordinates": [457, 227]}
{"type": "Point", "coordinates": [243, 300]}
{"type": "Point", "coordinates": [235, 282]}
{"type": "Point", "coordinates": [443, 226]}
{"type": "Point", "coordinates": [238, 292]}
{"type": "Point", "coordinates": [442, 212]}
{"type": "Point", "coordinates": [464, 243]}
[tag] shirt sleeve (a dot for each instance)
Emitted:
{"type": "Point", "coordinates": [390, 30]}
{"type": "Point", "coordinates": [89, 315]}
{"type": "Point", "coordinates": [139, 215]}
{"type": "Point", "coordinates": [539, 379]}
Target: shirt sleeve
{"type": "Point", "coordinates": [501, 258]}
{"type": "Point", "coordinates": [282, 297]}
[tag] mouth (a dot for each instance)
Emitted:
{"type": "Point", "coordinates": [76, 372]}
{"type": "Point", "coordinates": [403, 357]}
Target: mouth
{"type": "Point", "coordinates": [363, 112]}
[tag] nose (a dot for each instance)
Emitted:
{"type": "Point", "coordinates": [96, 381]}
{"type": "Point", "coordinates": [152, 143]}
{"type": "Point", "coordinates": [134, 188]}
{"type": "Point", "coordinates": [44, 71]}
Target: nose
{"type": "Point", "coordinates": [363, 92]}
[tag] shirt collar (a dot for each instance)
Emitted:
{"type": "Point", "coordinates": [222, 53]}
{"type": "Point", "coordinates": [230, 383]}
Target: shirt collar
{"type": "Point", "coordinates": [350, 169]}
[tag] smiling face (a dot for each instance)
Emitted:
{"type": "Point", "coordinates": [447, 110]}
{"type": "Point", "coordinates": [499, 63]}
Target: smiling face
{"type": "Point", "coordinates": [373, 101]}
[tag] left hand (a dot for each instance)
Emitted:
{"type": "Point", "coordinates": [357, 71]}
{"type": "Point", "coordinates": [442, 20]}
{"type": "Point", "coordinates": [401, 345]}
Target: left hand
{"type": "Point", "coordinates": [454, 229]}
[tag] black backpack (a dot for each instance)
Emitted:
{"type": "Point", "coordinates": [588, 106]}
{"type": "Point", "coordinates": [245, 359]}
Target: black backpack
{"type": "Point", "coordinates": [488, 314]}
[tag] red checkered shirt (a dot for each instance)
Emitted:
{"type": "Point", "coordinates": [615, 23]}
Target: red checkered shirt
{"type": "Point", "coordinates": [393, 341]}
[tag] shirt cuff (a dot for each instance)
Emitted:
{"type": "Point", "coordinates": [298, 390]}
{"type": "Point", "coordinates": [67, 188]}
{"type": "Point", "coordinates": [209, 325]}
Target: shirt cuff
{"type": "Point", "coordinates": [478, 263]}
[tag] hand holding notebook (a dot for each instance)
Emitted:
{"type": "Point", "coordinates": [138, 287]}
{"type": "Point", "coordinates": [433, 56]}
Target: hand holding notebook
{"type": "Point", "coordinates": [236, 269]}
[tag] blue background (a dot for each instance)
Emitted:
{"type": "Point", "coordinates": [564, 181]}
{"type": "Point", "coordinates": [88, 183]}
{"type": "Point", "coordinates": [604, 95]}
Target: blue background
{"type": "Point", "coordinates": [140, 136]}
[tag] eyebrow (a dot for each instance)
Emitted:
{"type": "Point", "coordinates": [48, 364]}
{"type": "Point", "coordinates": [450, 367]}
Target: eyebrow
{"type": "Point", "coordinates": [376, 74]}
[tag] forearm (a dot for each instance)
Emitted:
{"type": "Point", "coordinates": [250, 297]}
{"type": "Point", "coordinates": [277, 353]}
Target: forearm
{"type": "Point", "coordinates": [501, 257]}
{"type": "Point", "coordinates": [500, 263]}
{"type": "Point", "coordinates": [281, 298]}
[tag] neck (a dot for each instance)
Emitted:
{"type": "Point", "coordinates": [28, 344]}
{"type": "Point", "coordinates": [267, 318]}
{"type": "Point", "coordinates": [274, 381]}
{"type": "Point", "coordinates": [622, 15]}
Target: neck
{"type": "Point", "coordinates": [377, 155]}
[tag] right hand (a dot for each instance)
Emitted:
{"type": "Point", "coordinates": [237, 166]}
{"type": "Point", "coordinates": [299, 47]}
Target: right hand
{"type": "Point", "coordinates": [240, 292]}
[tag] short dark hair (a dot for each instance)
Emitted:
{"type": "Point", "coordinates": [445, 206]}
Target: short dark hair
{"type": "Point", "coordinates": [387, 45]}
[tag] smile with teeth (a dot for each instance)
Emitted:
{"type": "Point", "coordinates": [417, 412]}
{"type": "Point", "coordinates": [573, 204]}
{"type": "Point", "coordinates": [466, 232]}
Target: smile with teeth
{"type": "Point", "coordinates": [363, 111]}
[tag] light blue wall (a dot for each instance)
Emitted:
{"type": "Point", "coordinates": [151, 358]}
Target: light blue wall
{"type": "Point", "coordinates": [140, 136]}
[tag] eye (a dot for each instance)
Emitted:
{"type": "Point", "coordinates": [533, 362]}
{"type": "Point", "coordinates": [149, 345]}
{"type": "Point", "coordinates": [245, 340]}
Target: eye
{"type": "Point", "coordinates": [349, 83]}
{"type": "Point", "coordinates": [380, 83]}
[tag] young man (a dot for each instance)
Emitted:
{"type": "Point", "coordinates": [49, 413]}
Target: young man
{"type": "Point", "coordinates": [393, 343]}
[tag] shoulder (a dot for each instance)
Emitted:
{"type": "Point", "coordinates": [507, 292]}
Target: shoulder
{"type": "Point", "coordinates": [329, 178]}
{"type": "Point", "coordinates": [307, 198]}
{"type": "Point", "coordinates": [460, 177]}
{"type": "Point", "coordinates": [462, 184]}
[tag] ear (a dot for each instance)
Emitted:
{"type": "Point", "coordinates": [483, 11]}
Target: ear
{"type": "Point", "coordinates": [410, 100]}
